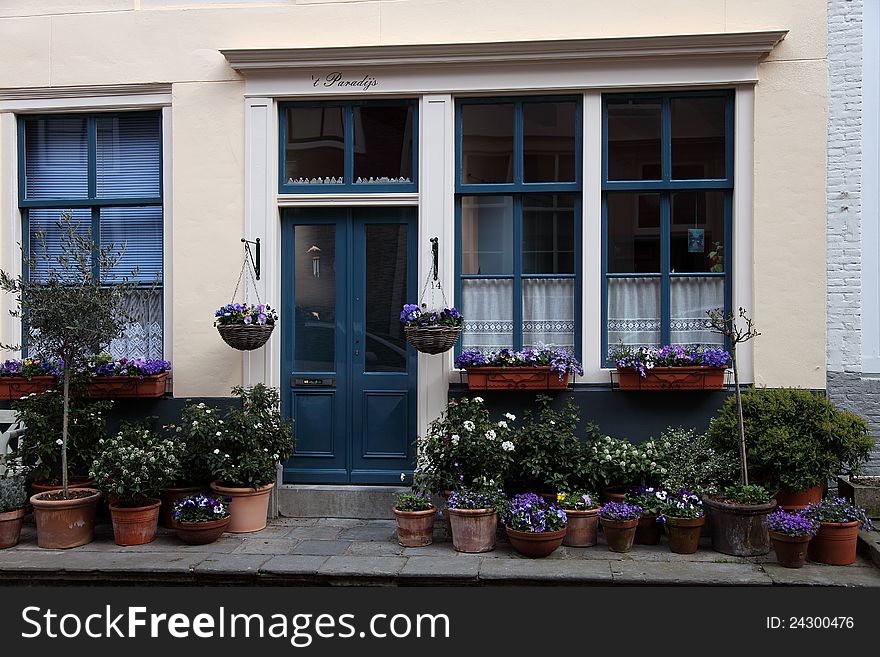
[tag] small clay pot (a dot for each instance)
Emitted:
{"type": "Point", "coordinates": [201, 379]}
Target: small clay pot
{"type": "Point", "coordinates": [415, 528]}
{"type": "Point", "coordinates": [582, 528]}
{"type": "Point", "coordinates": [249, 508]}
{"type": "Point", "coordinates": [201, 533]}
{"type": "Point", "coordinates": [835, 543]}
{"type": "Point", "coordinates": [135, 525]}
{"type": "Point", "coordinates": [614, 493]}
{"type": "Point", "coordinates": [10, 528]}
{"type": "Point", "coordinates": [63, 524]}
{"type": "Point", "coordinates": [473, 530]}
{"type": "Point", "coordinates": [619, 533]}
{"type": "Point", "coordinates": [648, 530]}
{"type": "Point", "coordinates": [684, 534]}
{"type": "Point", "coordinates": [791, 551]}
{"type": "Point", "coordinates": [535, 545]}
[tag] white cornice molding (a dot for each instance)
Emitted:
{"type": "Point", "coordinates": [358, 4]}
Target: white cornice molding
{"type": "Point", "coordinates": [739, 44]}
{"type": "Point", "coordinates": [88, 91]}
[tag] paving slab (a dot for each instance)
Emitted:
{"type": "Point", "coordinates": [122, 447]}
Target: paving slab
{"type": "Point", "coordinates": [693, 573]}
{"type": "Point", "coordinates": [374, 549]}
{"type": "Point", "coordinates": [441, 569]}
{"type": "Point", "coordinates": [300, 565]}
{"type": "Point", "coordinates": [820, 575]}
{"type": "Point", "coordinates": [271, 546]}
{"type": "Point", "coordinates": [232, 565]}
{"type": "Point", "coordinates": [314, 532]}
{"type": "Point", "coordinates": [370, 532]}
{"type": "Point", "coordinates": [543, 571]}
{"type": "Point", "coordinates": [362, 567]}
{"type": "Point", "coordinates": [342, 523]}
{"type": "Point", "coordinates": [322, 548]}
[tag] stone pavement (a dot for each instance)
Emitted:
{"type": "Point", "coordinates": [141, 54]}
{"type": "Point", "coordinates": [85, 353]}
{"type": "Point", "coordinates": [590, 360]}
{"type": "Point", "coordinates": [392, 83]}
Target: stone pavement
{"type": "Point", "coordinates": [335, 551]}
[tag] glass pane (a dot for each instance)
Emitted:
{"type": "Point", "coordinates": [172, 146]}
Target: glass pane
{"type": "Point", "coordinates": [548, 233]}
{"type": "Point", "coordinates": [135, 237]}
{"type": "Point", "coordinates": [46, 244]}
{"type": "Point", "coordinates": [486, 144]}
{"type": "Point", "coordinates": [487, 235]}
{"type": "Point", "coordinates": [634, 140]}
{"type": "Point", "coordinates": [383, 144]}
{"type": "Point", "coordinates": [549, 142]}
{"type": "Point", "coordinates": [314, 348]}
{"type": "Point", "coordinates": [633, 232]}
{"type": "Point", "coordinates": [487, 305]}
{"type": "Point", "coordinates": [129, 156]}
{"type": "Point", "coordinates": [698, 138]}
{"type": "Point", "coordinates": [690, 297]}
{"type": "Point", "coordinates": [548, 312]}
{"type": "Point", "coordinates": [143, 337]}
{"type": "Point", "coordinates": [385, 284]}
{"type": "Point", "coordinates": [697, 232]}
{"type": "Point", "coordinates": [315, 148]}
{"type": "Point", "coordinates": [633, 311]}
{"type": "Point", "coordinates": [56, 158]}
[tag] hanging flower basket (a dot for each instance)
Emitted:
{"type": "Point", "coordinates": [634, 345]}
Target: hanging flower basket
{"type": "Point", "coordinates": [245, 327]}
{"type": "Point", "coordinates": [431, 331]}
{"type": "Point", "coordinates": [245, 337]}
{"type": "Point", "coordinates": [673, 367]}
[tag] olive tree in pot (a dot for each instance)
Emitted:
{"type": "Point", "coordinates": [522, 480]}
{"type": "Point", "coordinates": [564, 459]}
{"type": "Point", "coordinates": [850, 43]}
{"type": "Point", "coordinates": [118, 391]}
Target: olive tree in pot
{"type": "Point", "coordinates": [70, 316]}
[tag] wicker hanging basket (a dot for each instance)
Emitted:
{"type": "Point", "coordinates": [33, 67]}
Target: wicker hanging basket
{"type": "Point", "coordinates": [245, 337]}
{"type": "Point", "coordinates": [432, 339]}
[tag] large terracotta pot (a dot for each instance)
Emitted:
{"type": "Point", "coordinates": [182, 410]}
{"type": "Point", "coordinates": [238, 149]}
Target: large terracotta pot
{"type": "Point", "coordinates": [10, 528]}
{"type": "Point", "coordinates": [835, 543]}
{"type": "Point", "coordinates": [791, 551]}
{"type": "Point", "coordinates": [739, 529]}
{"type": "Point", "coordinates": [619, 534]}
{"type": "Point", "coordinates": [135, 525]}
{"type": "Point", "coordinates": [249, 508]}
{"type": "Point", "coordinates": [173, 494]}
{"type": "Point", "coordinates": [73, 482]}
{"type": "Point", "coordinates": [65, 524]}
{"type": "Point", "coordinates": [415, 528]}
{"type": "Point", "coordinates": [648, 530]}
{"type": "Point", "coordinates": [473, 530]}
{"type": "Point", "coordinates": [684, 534]}
{"type": "Point", "coordinates": [201, 533]}
{"type": "Point", "coordinates": [535, 545]}
{"type": "Point", "coordinates": [614, 493]}
{"type": "Point", "coordinates": [794, 500]}
{"type": "Point", "coordinates": [582, 528]}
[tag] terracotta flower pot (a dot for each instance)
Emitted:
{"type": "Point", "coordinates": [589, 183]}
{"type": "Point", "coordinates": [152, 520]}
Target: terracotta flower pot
{"type": "Point", "coordinates": [739, 529]}
{"type": "Point", "coordinates": [65, 524]}
{"type": "Point", "coordinates": [619, 534]}
{"type": "Point", "coordinates": [73, 482]}
{"type": "Point", "coordinates": [249, 507]}
{"type": "Point", "coordinates": [473, 530]}
{"type": "Point", "coordinates": [795, 500]}
{"type": "Point", "coordinates": [582, 528]}
{"type": "Point", "coordinates": [173, 494]}
{"type": "Point", "coordinates": [201, 533]}
{"type": "Point", "coordinates": [135, 525]}
{"type": "Point", "coordinates": [614, 493]}
{"type": "Point", "coordinates": [415, 528]}
{"type": "Point", "coordinates": [835, 543]}
{"type": "Point", "coordinates": [684, 534]}
{"type": "Point", "coordinates": [648, 530]}
{"type": "Point", "coordinates": [10, 528]}
{"type": "Point", "coordinates": [791, 551]}
{"type": "Point", "coordinates": [535, 545]}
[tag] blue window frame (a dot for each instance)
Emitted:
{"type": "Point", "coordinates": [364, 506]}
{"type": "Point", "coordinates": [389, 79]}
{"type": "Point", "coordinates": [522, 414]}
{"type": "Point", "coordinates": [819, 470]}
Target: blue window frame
{"type": "Point", "coordinates": [348, 147]}
{"type": "Point", "coordinates": [106, 170]}
{"type": "Point", "coordinates": [518, 221]}
{"type": "Point", "coordinates": [667, 184]}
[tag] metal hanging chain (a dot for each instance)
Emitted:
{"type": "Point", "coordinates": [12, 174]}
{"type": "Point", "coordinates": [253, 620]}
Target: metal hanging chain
{"type": "Point", "coordinates": [246, 264]}
{"type": "Point", "coordinates": [433, 278]}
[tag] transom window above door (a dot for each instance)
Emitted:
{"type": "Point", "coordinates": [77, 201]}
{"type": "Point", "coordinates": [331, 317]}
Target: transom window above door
{"type": "Point", "coordinates": [343, 147]}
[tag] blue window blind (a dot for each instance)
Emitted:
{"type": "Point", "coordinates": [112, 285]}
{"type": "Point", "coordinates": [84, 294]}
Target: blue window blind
{"type": "Point", "coordinates": [129, 158]}
{"type": "Point", "coordinates": [43, 230]}
{"type": "Point", "coordinates": [136, 234]}
{"type": "Point", "coordinates": [56, 157]}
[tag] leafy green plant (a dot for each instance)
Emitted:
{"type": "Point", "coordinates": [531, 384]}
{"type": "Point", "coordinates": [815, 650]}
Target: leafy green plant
{"type": "Point", "coordinates": [796, 438]}
{"type": "Point", "coordinates": [693, 463]}
{"type": "Point", "coordinates": [746, 494]}
{"type": "Point", "coordinates": [650, 499]}
{"type": "Point", "coordinates": [617, 462]}
{"type": "Point", "coordinates": [682, 504]}
{"type": "Point", "coordinates": [13, 494]}
{"type": "Point", "coordinates": [414, 500]}
{"type": "Point", "coordinates": [197, 430]}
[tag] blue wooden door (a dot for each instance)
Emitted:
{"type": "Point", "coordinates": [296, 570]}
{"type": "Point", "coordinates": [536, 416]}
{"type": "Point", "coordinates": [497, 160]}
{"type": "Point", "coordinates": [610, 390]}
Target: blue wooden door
{"type": "Point", "coordinates": [350, 375]}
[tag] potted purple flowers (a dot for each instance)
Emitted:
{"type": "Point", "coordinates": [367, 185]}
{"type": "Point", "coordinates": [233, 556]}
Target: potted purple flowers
{"type": "Point", "coordinates": [431, 331]}
{"type": "Point", "coordinates": [619, 521]}
{"type": "Point", "coordinates": [790, 534]}
{"type": "Point", "coordinates": [24, 377]}
{"type": "Point", "coordinates": [117, 378]}
{"type": "Point", "coordinates": [582, 510]}
{"type": "Point", "coordinates": [245, 326]}
{"type": "Point", "coordinates": [201, 519]}
{"type": "Point", "coordinates": [534, 526]}
{"type": "Point", "coordinates": [836, 540]}
{"type": "Point", "coordinates": [683, 514]}
{"type": "Point", "coordinates": [415, 515]}
{"type": "Point", "coordinates": [530, 369]}
{"type": "Point", "coordinates": [673, 367]}
{"type": "Point", "coordinates": [473, 516]}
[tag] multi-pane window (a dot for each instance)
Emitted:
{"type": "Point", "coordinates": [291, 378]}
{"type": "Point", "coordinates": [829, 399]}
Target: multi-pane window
{"type": "Point", "coordinates": [518, 222]}
{"type": "Point", "coordinates": [106, 171]}
{"type": "Point", "coordinates": [667, 185]}
{"type": "Point", "coordinates": [367, 146]}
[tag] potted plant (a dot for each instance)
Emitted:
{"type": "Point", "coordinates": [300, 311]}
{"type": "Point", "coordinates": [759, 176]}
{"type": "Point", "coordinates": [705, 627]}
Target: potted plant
{"type": "Point", "coordinates": [671, 367]}
{"type": "Point", "coordinates": [24, 377]}
{"type": "Point", "coordinates": [473, 514]}
{"type": "Point", "coordinates": [131, 470]}
{"type": "Point", "coordinates": [616, 465]}
{"type": "Point", "coordinates": [837, 539]}
{"type": "Point", "coordinates": [534, 526]}
{"type": "Point", "coordinates": [651, 501]}
{"type": "Point", "coordinates": [245, 326]}
{"type": "Point", "coordinates": [253, 439]}
{"type": "Point", "coordinates": [861, 491]}
{"type": "Point", "coordinates": [431, 331]}
{"type": "Point", "coordinates": [13, 500]}
{"type": "Point", "coordinates": [415, 515]}
{"type": "Point", "coordinates": [790, 533]}
{"type": "Point", "coordinates": [693, 463]}
{"type": "Point", "coordinates": [530, 369]}
{"type": "Point", "coordinates": [619, 521]}
{"type": "Point", "coordinates": [119, 378]}
{"type": "Point", "coordinates": [582, 510]}
{"type": "Point", "coordinates": [683, 516]}
{"type": "Point", "coordinates": [200, 519]}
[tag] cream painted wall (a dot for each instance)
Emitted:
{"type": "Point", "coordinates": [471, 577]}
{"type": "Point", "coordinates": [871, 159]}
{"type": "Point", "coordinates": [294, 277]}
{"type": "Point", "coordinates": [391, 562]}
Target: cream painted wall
{"type": "Point", "coordinates": [130, 41]}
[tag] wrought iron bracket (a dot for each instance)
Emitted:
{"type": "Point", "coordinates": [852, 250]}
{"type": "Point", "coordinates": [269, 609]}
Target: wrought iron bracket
{"type": "Point", "coordinates": [254, 255]}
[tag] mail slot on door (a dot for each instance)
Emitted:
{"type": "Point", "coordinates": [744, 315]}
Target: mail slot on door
{"type": "Point", "coordinates": [314, 382]}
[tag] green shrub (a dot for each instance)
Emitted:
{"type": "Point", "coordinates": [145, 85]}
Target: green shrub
{"type": "Point", "coordinates": [795, 438]}
{"type": "Point", "coordinates": [693, 464]}
{"type": "Point", "coordinates": [750, 494]}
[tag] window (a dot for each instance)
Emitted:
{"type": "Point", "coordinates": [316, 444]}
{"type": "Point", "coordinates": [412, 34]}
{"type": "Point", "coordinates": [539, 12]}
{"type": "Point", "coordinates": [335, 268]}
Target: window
{"type": "Point", "coordinates": [106, 170]}
{"type": "Point", "coordinates": [348, 147]}
{"type": "Point", "coordinates": [666, 205]}
{"type": "Point", "coordinates": [518, 222]}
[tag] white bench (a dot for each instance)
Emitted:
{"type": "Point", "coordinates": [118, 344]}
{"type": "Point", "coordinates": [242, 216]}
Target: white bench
{"type": "Point", "coordinates": [10, 430]}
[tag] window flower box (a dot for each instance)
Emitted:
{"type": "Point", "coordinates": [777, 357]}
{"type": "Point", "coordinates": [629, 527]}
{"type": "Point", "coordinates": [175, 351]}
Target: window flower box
{"type": "Point", "coordinates": [673, 367]}
{"type": "Point", "coordinates": [529, 369]}
{"type": "Point", "coordinates": [672, 378]}
{"type": "Point", "coordinates": [124, 379]}
{"type": "Point", "coordinates": [515, 378]}
{"type": "Point", "coordinates": [25, 377]}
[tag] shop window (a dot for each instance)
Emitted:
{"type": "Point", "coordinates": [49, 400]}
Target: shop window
{"type": "Point", "coordinates": [106, 171]}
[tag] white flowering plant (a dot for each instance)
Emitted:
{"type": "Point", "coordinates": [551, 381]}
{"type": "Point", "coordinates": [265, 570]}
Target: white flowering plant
{"type": "Point", "coordinates": [198, 429]}
{"type": "Point", "coordinates": [618, 462]}
{"type": "Point", "coordinates": [693, 463]}
{"type": "Point", "coordinates": [135, 465]}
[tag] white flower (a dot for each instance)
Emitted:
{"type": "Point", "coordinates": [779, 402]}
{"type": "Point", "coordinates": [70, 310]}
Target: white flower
{"type": "Point", "coordinates": [552, 421]}
{"type": "Point", "coordinates": [502, 424]}
{"type": "Point", "coordinates": [219, 433]}
{"type": "Point", "coordinates": [216, 451]}
{"type": "Point", "coordinates": [208, 412]}
{"type": "Point", "coordinates": [490, 434]}
{"type": "Point", "coordinates": [59, 442]}
{"type": "Point", "coordinates": [403, 476]}
{"type": "Point", "coordinates": [201, 406]}
{"type": "Point", "coordinates": [510, 416]}
{"type": "Point", "coordinates": [226, 456]}
{"type": "Point", "coordinates": [469, 425]}
{"type": "Point", "coordinates": [455, 438]}
{"type": "Point", "coordinates": [479, 400]}
{"type": "Point", "coordinates": [507, 446]}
